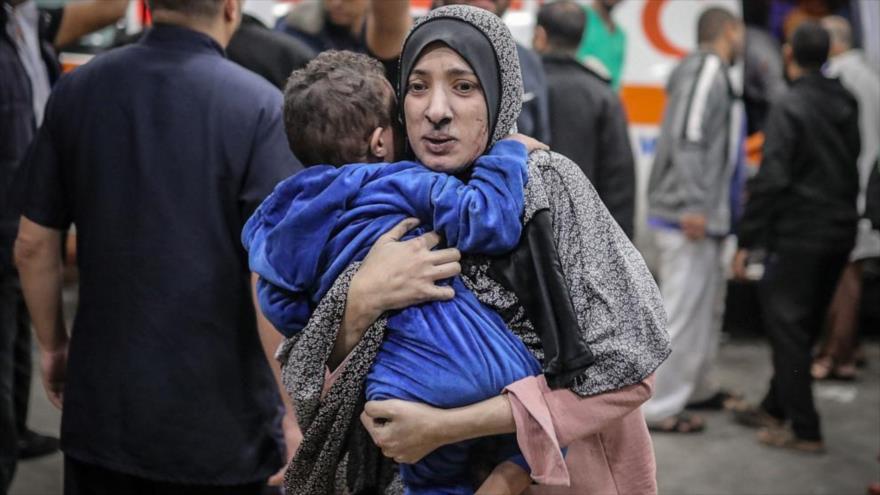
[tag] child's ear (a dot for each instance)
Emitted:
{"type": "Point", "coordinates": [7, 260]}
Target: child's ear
{"type": "Point", "coordinates": [381, 147]}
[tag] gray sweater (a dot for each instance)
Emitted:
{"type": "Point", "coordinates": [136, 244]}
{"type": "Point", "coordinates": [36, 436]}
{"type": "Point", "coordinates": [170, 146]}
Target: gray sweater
{"type": "Point", "coordinates": [696, 150]}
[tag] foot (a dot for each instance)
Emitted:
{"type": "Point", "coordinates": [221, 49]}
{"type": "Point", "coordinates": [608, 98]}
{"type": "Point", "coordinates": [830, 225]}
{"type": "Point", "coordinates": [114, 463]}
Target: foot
{"type": "Point", "coordinates": [723, 400]}
{"type": "Point", "coordinates": [680, 423]}
{"type": "Point", "coordinates": [821, 368]}
{"type": "Point", "coordinates": [756, 417]}
{"type": "Point", "coordinates": [824, 368]}
{"type": "Point", "coordinates": [784, 438]}
{"type": "Point", "coordinates": [32, 444]}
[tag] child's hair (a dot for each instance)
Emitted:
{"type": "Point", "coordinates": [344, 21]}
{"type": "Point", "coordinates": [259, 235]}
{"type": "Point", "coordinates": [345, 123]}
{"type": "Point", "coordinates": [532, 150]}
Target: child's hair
{"type": "Point", "coordinates": [333, 104]}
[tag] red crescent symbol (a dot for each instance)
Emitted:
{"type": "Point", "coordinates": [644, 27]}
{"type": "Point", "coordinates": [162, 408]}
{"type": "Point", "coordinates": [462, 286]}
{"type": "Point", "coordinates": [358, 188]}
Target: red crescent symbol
{"type": "Point", "coordinates": [651, 25]}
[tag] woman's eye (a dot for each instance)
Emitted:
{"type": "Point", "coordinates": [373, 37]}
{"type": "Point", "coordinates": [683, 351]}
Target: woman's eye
{"type": "Point", "coordinates": [416, 87]}
{"type": "Point", "coordinates": [465, 86]}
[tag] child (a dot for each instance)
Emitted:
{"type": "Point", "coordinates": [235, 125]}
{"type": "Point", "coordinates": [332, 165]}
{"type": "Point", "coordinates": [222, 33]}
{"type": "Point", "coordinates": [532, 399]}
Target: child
{"type": "Point", "coordinates": [315, 224]}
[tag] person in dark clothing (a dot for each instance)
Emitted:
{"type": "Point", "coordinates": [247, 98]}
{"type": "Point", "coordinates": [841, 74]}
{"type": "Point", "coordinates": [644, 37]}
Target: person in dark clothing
{"type": "Point", "coordinates": [534, 120]}
{"type": "Point", "coordinates": [802, 210]}
{"type": "Point", "coordinates": [327, 24]}
{"type": "Point", "coordinates": [872, 197]}
{"type": "Point", "coordinates": [158, 152]}
{"type": "Point", "coordinates": [270, 54]}
{"type": "Point", "coordinates": [587, 121]}
{"type": "Point", "coordinates": [28, 67]}
{"type": "Point", "coordinates": [373, 27]}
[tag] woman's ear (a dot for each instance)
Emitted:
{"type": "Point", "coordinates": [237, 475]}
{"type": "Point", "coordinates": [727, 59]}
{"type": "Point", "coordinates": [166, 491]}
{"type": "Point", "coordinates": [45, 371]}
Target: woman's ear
{"type": "Point", "coordinates": [382, 144]}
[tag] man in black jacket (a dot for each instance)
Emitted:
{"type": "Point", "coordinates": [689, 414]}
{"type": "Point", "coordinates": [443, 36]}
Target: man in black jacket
{"type": "Point", "coordinates": [29, 37]}
{"type": "Point", "coordinates": [269, 53]}
{"type": "Point", "coordinates": [587, 122]}
{"type": "Point", "coordinates": [802, 210]}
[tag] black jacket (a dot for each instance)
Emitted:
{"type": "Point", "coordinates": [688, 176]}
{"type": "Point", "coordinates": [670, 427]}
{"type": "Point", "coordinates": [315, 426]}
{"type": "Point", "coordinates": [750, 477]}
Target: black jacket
{"type": "Point", "coordinates": [804, 195]}
{"type": "Point", "coordinates": [872, 197]}
{"type": "Point", "coordinates": [17, 120]}
{"type": "Point", "coordinates": [588, 125]}
{"type": "Point", "coordinates": [270, 54]}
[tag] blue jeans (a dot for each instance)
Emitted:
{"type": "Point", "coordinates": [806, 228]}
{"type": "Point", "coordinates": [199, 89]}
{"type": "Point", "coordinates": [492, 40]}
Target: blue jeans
{"type": "Point", "coordinates": [15, 373]}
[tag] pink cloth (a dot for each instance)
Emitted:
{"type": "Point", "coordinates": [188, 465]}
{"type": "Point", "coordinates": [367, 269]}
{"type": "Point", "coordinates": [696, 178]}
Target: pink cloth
{"type": "Point", "coordinates": [609, 448]}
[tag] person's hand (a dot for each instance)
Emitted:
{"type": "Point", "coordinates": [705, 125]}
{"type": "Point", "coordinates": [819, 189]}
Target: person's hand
{"type": "Point", "coordinates": [739, 264]}
{"type": "Point", "coordinates": [53, 364]}
{"type": "Point", "coordinates": [397, 274]}
{"type": "Point", "coordinates": [531, 143]}
{"type": "Point", "coordinates": [292, 439]}
{"type": "Point", "coordinates": [405, 431]}
{"type": "Point", "coordinates": [693, 226]}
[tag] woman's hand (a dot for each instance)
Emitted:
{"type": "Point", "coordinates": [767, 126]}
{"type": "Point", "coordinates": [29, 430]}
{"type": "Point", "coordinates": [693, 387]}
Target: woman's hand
{"type": "Point", "coordinates": [395, 274]}
{"type": "Point", "coordinates": [405, 431]}
{"type": "Point", "coordinates": [408, 431]}
{"type": "Point", "coordinates": [531, 143]}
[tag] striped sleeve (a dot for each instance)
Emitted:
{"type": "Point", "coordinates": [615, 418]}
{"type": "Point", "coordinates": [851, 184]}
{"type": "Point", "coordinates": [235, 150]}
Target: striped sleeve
{"type": "Point", "coordinates": [699, 95]}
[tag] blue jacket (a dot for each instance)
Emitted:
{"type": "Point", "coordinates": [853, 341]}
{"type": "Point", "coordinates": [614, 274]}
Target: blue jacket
{"type": "Point", "coordinates": [318, 222]}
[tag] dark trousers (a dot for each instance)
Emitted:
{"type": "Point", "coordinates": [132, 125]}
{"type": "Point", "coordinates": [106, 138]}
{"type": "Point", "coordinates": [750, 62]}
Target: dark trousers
{"type": "Point", "coordinates": [15, 373]}
{"type": "Point", "coordinates": [795, 294]}
{"type": "Point", "coordinates": [81, 478]}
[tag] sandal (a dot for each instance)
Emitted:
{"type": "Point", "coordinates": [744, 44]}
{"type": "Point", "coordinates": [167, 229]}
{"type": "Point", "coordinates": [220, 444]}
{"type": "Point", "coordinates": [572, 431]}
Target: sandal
{"type": "Point", "coordinates": [824, 368]}
{"type": "Point", "coordinates": [680, 423]}
{"type": "Point", "coordinates": [756, 417]}
{"type": "Point", "coordinates": [721, 401]}
{"type": "Point", "coordinates": [784, 438]}
{"type": "Point", "coordinates": [844, 372]}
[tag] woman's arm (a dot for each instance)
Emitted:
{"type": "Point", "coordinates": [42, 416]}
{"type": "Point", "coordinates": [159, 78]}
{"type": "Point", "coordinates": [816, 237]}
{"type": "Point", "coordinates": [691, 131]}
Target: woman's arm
{"type": "Point", "coordinates": [408, 431]}
{"type": "Point", "coordinates": [544, 420]}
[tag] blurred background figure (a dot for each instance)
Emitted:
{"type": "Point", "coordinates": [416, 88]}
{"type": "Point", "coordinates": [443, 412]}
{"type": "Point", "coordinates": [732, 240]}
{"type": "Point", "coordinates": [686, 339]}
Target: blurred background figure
{"type": "Point", "coordinates": [587, 122]}
{"type": "Point", "coordinates": [374, 27]}
{"type": "Point", "coordinates": [837, 355]}
{"type": "Point", "coordinates": [328, 24]}
{"type": "Point", "coordinates": [29, 37]}
{"type": "Point", "coordinates": [603, 46]}
{"type": "Point", "coordinates": [764, 79]}
{"type": "Point", "coordinates": [158, 152]}
{"type": "Point", "coordinates": [269, 53]}
{"type": "Point", "coordinates": [534, 120]}
{"type": "Point", "coordinates": [690, 210]}
{"type": "Point", "coordinates": [801, 209]}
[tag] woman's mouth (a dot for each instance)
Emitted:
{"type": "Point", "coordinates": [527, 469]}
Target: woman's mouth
{"type": "Point", "coordinates": [439, 145]}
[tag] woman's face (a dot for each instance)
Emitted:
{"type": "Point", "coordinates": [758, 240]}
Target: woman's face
{"type": "Point", "coordinates": [447, 121]}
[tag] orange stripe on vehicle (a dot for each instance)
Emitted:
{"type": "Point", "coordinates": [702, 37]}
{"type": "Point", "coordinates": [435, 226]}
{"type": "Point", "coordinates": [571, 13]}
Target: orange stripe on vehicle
{"type": "Point", "coordinates": [643, 104]}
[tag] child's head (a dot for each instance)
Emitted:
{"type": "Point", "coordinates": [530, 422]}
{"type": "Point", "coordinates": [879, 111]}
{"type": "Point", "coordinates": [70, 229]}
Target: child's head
{"type": "Point", "coordinates": [340, 109]}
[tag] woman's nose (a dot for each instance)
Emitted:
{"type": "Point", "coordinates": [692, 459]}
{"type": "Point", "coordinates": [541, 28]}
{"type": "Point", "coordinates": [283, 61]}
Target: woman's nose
{"type": "Point", "coordinates": [438, 111]}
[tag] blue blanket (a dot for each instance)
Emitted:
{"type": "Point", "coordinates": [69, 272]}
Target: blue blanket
{"type": "Point", "coordinates": [446, 354]}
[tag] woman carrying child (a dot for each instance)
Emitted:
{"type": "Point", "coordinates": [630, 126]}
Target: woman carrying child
{"type": "Point", "coordinates": [572, 247]}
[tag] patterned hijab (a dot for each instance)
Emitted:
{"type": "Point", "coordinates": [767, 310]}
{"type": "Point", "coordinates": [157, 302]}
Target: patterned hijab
{"type": "Point", "coordinates": [482, 39]}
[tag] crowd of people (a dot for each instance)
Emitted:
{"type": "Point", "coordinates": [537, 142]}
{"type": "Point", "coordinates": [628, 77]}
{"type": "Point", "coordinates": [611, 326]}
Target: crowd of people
{"type": "Point", "coordinates": [358, 252]}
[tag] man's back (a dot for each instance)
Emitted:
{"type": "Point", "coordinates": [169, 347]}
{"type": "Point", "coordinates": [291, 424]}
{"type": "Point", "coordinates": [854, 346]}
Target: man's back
{"type": "Point", "coordinates": [588, 125]}
{"type": "Point", "coordinates": [159, 152]}
{"type": "Point", "coordinates": [809, 177]}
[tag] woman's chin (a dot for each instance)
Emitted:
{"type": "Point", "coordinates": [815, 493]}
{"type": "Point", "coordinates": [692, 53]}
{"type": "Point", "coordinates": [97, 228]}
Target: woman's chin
{"type": "Point", "coordinates": [446, 163]}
